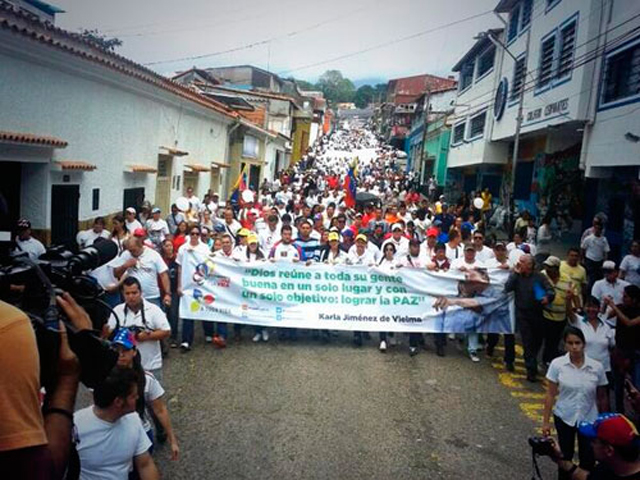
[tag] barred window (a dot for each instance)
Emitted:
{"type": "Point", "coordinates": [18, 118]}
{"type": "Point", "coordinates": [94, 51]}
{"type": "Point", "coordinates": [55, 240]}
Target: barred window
{"type": "Point", "coordinates": [476, 125]}
{"type": "Point", "coordinates": [567, 45]}
{"type": "Point", "coordinates": [622, 75]}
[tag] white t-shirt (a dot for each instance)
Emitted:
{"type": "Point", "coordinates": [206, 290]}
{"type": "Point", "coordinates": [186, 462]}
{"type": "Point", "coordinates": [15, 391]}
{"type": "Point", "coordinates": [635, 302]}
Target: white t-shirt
{"type": "Point", "coordinates": [157, 230]}
{"type": "Point", "coordinates": [602, 288]}
{"type": "Point", "coordinates": [31, 246]}
{"type": "Point", "coordinates": [453, 253]}
{"type": "Point", "coordinates": [85, 238]}
{"type": "Point", "coordinates": [152, 391]}
{"type": "Point", "coordinates": [154, 319]}
{"type": "Point", "coordinates": [577, 388]}
{"type": "Point", "coordinates": [149, 266]}
{"type": "Point", "coordinates": [402, 246]}
{"type": "Point", "coordinates": [232, 228]}
{"type": "Point", "coordinates": [132, 226]}
{"type": "Point", "coordinates": [460, 262]}
{"type": "Point", "coordinates": [106, 449]}
{"type": "Point", "coordinates": [485, 254]}
{"type": "Point", "coordinates": [367, 258]}
{"type": "Point", "coordinates": [630, 265]}
{"type": "Point", "coordinates": [599, 342]}
{"type": "Point", "coordinates": [285, 253]}
{"type": "Point", "coordinates": [595, 248]}
{"type": "Point", "coordinates": [421, 261]}
{"type": "Point", "coordinates": [269, 238]}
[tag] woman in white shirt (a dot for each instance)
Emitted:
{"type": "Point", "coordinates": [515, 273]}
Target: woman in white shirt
{"type": "Point", "coordinates": [253, 255]}
{"type": "Point", "coordinates": [600, 337]}
{"type": "Point", "coordinates": [581, 386]}
{"type": "Point", "coordinates": [387, 263]}
{"type": "Point", "coordinates": [333, 254]}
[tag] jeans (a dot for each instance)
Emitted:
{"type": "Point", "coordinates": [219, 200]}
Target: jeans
{"type": "Point", "coordinates": [509, 345]}
{"type": "Point", "coordinates": [552, 332]}
{"type": "Point", "coordinates": [594, 272]}
{"type": "Point", "coordinates": [187, 330]}
{"type": "Point", "coordinates": [173, 316]}
{"type": "Point", "coordinates": [566, 442]}
{"type": "Point", "coordinates": [414, 339]}
{"type": "Point", "coordinates": [473, 342]}
{"type": "Point", "coordinates": [221, 329]}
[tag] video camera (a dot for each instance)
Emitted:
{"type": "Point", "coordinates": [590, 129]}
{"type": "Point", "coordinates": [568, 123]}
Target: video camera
{"type": "Point", "coordinates": [39, 282]}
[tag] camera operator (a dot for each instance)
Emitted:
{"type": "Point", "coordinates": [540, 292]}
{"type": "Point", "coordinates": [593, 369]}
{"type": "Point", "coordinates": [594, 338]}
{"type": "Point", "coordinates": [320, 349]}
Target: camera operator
{"type": "Point", "coordinates": [616, 446]}
{"type": "Point", "coordinates": [25, 243]}
{"type": "Point", "coordinates": [35, 443]}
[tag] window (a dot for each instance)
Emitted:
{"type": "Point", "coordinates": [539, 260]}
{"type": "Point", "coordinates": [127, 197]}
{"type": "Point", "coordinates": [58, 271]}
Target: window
{"type": "Point", "coordinates": [466, 76]}
{"type": "Point", "coordinates": [476, 125]}
{"type": "Point", "coordinates": [250, 147]}
{"type": "Point", "coordinates": [567, 44]}
{"type": "Point", "coordinates": [485, 62]}
{"type": "Point", "coordinates": [519, 72]}
{"type": "Point", "coordinates": [622, 75]}
{"type": "Point", "coordinates": [527, 8]}
{"type": "Point", "coordinates": [513, 23]}
{"type": "Point", "coordinates": [551, 4]}
{"type": "Point", "coordinates": [458, 133]}
{"type": "Point", "coordinates": [95, 199]}
{"type": "Point", "coordinates": [547, 51]}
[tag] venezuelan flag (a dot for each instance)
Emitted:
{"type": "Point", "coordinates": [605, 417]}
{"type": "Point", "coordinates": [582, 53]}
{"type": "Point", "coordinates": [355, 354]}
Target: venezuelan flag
{"type": "Point", "coordinates": [240, 186]}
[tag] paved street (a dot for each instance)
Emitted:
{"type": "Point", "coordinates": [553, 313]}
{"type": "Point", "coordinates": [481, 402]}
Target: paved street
{"type": "Point", "coordinates": [307, 410]}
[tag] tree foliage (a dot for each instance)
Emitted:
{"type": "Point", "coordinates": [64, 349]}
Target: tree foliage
{"type": "Point", "coordinates": [101, 40]}
{"type": "Point", "coordinates": [335, 87]}
{"type": "Point", "coordinates": [364, 96]}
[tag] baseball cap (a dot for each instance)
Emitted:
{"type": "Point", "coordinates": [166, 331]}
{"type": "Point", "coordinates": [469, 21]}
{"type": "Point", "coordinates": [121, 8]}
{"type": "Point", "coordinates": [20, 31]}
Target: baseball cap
{"type": "Point", "coordinates": [609, 265]}
{"type": "Point", "coordinates": [499, 245]}
{"type": "Point", "coordinates": [551, 261]}
{"type": "Point", "coordinates": [139, 232]}
{"type": "Point", "coordinates": [397, 226]}
{"type": "Point", "coordinates": [125, 337]}
{"type": "Point", "coordinates": [23, 223]}
{"type": "Point", "coordinates": [613, 428]}
{"type": "Point", "coordinates": [333, 236]}
{"type": "Point", "coordinates": [243, 232]}
{"type": "Point", "coordinates": [252, 238]}
{"type": "Point", "coordinates": [156, 210]}
{"type": "Point", "coordinates": [432, 232]}
{"type": "Point", "coordinates": [347, 233]}
{"type": "Point", "coordinates": [469, 246]}
{"type": "Point", "coordinates": [131, 210]}
{"type": "Point", "coordinates": [361, 236]}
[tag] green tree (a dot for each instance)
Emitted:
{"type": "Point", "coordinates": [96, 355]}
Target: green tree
{"type": "Point", "coordinates": [335, 87]}
{"type": "Point", "coordinates": [364, 96]}
{"type": "Point", "coordinates": [100, 40]}
{"type": "Point", "coordinates": [380, 92]}
{"type": "Point", "coordinates": [304, 85]}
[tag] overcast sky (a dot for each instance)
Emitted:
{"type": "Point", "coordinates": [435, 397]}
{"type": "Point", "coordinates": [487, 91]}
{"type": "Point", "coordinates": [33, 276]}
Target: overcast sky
{"type": "Point", "coordinates": [303, 32]}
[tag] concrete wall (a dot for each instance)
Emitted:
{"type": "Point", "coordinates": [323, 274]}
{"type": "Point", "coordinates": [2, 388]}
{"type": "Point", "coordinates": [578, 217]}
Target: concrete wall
{"type": "Point", "coordinates": [109, 120]}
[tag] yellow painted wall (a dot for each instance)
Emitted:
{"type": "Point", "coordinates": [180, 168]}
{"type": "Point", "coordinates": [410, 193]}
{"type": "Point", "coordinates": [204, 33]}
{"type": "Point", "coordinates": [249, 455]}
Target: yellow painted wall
{"type": "Point", "coordinates": [300, 139]}
{"type": "Point", "coordinates": [236, 160]}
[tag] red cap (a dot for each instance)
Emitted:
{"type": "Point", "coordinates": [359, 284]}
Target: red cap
{"type": "Point", "coordinates": [432, 232]}
{"type": "Point", "coordinates": [139, 232]}
{"type": "Point", "coordinates": [613, 428]}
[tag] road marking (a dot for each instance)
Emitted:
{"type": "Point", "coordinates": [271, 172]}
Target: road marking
{"type": "Point", "coordinates": [530, 395]}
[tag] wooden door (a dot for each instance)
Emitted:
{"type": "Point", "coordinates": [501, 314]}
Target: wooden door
{"type": "Point", "coordinates": [163, 183]}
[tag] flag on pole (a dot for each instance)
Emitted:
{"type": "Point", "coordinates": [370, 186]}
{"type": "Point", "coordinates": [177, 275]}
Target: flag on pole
{"type": "Point", "coordinates": [351, 184]}
{"type": "Point", "coordinates": [240, 186]}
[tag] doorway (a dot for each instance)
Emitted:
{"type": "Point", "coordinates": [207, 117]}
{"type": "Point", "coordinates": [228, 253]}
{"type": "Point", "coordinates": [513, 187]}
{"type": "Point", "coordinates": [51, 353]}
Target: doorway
{"type": "Point", "coordinates": [190, 180]}
{"type": "Point", "coordinates": [64, 214]}
{"type": "Point", "coordinates": [163, 182]}
{"type": "Point", "coordinates": [133, 197]}
{"type": "Point", "coordinates": [10, 182]}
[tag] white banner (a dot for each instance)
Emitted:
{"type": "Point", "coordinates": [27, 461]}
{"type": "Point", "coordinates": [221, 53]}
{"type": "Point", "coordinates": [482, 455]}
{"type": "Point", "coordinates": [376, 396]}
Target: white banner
{"type": "Point", "coordinates": [345, 297]}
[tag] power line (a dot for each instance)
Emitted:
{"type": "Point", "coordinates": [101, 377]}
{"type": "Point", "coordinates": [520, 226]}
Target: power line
{"type": "Point", "coordinates": [290, 34]}
{"type": "Point", "coordinates": [386, 44]}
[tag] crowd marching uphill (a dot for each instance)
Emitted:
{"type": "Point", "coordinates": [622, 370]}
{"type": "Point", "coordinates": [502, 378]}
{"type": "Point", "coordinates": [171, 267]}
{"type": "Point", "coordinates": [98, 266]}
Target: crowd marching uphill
{"type": "Point", "coordinates": [350, 201]}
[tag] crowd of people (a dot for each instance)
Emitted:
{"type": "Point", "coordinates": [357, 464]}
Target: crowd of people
{"type": "Point", "coordinates": [581, 313]}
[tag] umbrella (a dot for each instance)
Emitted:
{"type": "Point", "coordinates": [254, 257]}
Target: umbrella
{"type": "Point", "coordinates": [366, 197]}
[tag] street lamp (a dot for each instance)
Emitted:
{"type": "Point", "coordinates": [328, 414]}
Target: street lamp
{"type": "Point", "coordinates": [519, 118]}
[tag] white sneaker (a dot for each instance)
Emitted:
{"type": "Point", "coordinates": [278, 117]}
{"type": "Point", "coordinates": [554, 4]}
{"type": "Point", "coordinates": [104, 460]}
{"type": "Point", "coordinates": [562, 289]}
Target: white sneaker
{"type": "Point", "coordinates": [474, 357]}
{"type": "Point", "coordinates": [185, 346]}
{"type": "Point", "coordinates": [452, 336]}
{"type": "Point", "coordinates": [208, 339]}
{"type": "Point", "coordinates": [383, 346]}
{"type": "Point", "coordinates": [257, 337]}
{"type": "Point", "coordinates": [265, 336]}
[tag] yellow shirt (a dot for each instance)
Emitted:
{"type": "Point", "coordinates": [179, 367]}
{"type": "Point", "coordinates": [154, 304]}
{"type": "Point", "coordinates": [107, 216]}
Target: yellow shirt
{"type": "Point", "coordinates": [557, 310]}
{"type": "Point", "coordinates": [577, 275]}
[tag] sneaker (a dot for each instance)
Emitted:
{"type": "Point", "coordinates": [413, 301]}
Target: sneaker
{"type": "Point", "coordinates": [440, 350]}
{"type": "Point", "coordinates": [383, 346]}
{"type": "Point", "coordinates": [474, 357]}
{"type": "Point", "coordinates": [413, 351]}
{"type": "Point", "coordinates": [510, 367]}
{"type": "Point", "coordinates": [185, 347]}
{"type": "Point", "coordinates": [174, 344]}
{"type": "Point", "coordinates": [219, 342]}
{"type": "Point", "coordinates": [208, 339]}
{"type": "Point", "coordinates": [265, 336]}
{"type": "Point", "coordinates": [257, 337]}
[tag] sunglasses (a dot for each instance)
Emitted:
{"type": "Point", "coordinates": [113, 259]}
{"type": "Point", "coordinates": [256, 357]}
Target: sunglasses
{"type": "Point", "coordinates": [195, 233]}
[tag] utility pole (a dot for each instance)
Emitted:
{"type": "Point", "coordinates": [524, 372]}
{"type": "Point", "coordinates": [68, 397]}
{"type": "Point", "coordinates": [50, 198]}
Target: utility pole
{"type": "Point", "coordinates": [427, 102]}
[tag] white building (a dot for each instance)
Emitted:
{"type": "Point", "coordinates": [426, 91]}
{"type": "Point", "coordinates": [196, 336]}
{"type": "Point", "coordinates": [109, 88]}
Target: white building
{"type": "Point", "coordinates": [553, 51]}
{"type": "Point", "coordinates": [121, 133]}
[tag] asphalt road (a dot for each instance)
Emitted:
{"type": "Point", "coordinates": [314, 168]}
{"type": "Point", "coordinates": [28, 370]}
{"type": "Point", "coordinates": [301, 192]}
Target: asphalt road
{"type": "Point", "coordinates": [306, 410]}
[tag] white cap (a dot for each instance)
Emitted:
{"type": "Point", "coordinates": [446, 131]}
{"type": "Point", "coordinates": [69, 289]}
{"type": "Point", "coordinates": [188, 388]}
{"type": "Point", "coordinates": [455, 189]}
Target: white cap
{"type": "Point", "coordinates": [609, 265]}
{"type": "Point", "coordinates": [397, 226]}
{"type": "Point", "coordinates": [131, 210]}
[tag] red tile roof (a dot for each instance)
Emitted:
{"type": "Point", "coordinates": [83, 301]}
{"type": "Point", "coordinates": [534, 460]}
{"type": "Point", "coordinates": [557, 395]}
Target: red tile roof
{"type": "Point", "coordinates": [408, 89]}
{"type": "Point", "coordinates": [21, 25]}
{"type": "Point", "coordinates": [32, 139]}
{"type": "Point", "coordinates": [76, 165]}
{"type": "Point", "coordinates": [137, 168]}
